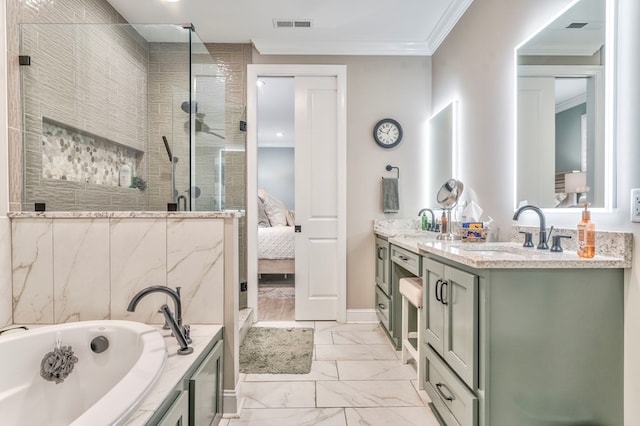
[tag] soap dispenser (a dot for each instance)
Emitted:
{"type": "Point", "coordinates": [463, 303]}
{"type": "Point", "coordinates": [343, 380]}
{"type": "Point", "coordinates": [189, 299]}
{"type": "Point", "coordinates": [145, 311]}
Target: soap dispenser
{"type": "Point", "coordinates": [425, 222]}
{"type": "Point", "coordinates": [586, 235]}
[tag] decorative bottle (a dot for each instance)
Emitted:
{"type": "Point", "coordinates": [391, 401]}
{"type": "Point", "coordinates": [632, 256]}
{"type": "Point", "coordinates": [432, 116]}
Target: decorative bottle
{"type": "Point", "coordinates": [586, 235]}
{"type": "Point", "coordinates": [425, 222]}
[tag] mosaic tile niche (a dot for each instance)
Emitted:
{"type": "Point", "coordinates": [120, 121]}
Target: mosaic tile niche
{"type": "Point", "coordinates": [73, 155]}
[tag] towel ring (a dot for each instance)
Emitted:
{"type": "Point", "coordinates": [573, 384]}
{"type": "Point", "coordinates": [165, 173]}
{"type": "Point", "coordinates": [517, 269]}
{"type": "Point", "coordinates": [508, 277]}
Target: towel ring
{"type": "Point", "coordinates": [390, 167]}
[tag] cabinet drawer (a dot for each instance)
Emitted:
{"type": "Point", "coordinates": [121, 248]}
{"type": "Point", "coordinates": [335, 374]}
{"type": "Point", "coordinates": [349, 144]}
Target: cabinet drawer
{"type": "Point", "coordinates": [408, 260]}
{"type": "Point", "coordinates": [383, 308]}
{"type": "Point", "coordinates": [455, 403]}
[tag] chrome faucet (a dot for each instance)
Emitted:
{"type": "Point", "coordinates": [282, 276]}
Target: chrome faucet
{"type": "Point", "coordinates": [542, 239]}
{"type": "Point", "coordinates": [433, 217]}
{"type": "Point", "coordinates": [181, 332]}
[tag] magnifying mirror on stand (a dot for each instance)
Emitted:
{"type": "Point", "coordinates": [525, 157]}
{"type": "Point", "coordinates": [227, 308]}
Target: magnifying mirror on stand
{"type": "Point", "coordinates": [448, 197]}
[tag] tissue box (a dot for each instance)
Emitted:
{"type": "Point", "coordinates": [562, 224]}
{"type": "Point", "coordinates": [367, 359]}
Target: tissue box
{"type": "Point", "coordinates": [473, 232]}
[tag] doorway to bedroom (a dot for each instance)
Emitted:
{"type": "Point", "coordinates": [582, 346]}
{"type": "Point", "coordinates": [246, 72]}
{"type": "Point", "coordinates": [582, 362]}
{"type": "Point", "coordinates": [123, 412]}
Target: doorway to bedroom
{"type": "Point", "coordinates": [316, 216]}
{"type": "Point", "coordinates": [276, 198]}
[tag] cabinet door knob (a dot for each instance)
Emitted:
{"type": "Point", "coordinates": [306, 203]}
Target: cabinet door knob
{"type": "Point", "coordinates": [382, 306]}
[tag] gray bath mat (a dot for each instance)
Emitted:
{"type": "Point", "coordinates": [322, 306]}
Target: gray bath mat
{"type": "Point", "coordinates": [277, 351]}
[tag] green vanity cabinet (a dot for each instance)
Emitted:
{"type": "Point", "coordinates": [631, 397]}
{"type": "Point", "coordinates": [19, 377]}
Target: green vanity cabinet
{"type": "Point", "coordinates": [525, 347]}
{"type": "Point", "coordinates": [178, 412]}
{"type": "Point", "coordinates": [196, 400]}
{"type": "Point", "coordinates": [451, 317]}
{"type": "Point", "coordinates": [205, 390]}
{"type": "Point", "coordinates": [382, 264]}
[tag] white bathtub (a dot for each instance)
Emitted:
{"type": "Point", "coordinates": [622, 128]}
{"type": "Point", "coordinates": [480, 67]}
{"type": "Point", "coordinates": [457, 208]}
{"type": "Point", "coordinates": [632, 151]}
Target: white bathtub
{"type": "Point", "coordinates": [103, 388]}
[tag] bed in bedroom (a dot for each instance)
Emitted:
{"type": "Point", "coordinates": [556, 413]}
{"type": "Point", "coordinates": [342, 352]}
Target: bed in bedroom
{"type": "Point", "coordinates": [276, 237]}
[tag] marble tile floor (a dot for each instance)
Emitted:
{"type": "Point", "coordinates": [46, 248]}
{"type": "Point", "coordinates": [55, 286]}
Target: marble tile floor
{"type": "Point", "coordinates": [356, 378]}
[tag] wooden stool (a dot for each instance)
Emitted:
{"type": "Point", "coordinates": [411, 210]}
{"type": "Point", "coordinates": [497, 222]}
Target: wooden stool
{"type": "Point", "coordinates": [411, 291]}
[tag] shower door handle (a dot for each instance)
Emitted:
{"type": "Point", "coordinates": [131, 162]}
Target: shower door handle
{"type": "Point", "coordinates": [298, 228]}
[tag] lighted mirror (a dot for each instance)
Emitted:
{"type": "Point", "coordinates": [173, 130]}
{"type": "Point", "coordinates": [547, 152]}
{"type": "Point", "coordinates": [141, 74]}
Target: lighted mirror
{"type": "Point", "coordinates": [564, 110]}
{"type": "Point", "coordinates": [441, 149]}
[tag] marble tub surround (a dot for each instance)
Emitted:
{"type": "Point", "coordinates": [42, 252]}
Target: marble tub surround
{"type": "Point", "coordinates": [175, 369]}
{"type": "Point", "coordinates": [227, 214]}
{"type": "Point", "coordinates": [74, 269]}
{"type": "Point", "coordinates": [5, 273]}
{"type": "Point", "coordinates": [608, 243]}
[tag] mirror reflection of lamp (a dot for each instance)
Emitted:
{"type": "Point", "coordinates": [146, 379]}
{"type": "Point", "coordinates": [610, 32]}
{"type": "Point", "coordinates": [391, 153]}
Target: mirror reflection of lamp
{"type": "Point", "coordinates": [576, 183]}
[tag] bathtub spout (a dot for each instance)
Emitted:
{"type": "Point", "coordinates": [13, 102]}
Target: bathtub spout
{"type": "Point", "coordinates": [170, 320]}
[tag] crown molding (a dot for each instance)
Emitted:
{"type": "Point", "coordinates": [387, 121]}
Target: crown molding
{"type": "Point", "coordinates": [449, 19]}
{"type": "Point", "coordinates": [301, 47]}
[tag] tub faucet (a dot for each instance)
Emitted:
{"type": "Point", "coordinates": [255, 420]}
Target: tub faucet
{"type": "Point", "coordinates": [433, 217]}
{"type": "Point", "coordinates": [542, 238]}
{"type": "Point", "coordinates": [181, 332]}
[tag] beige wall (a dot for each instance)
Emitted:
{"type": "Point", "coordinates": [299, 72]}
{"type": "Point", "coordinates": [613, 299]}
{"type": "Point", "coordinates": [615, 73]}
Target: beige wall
{"type": "Point", "coordinates": [377, 87]}
{"type": "Point", "coordinates": [475, 63]}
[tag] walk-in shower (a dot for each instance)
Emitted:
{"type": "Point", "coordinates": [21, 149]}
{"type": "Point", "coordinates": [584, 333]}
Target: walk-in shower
{"type": "Point", "coordinates": [104, 104]}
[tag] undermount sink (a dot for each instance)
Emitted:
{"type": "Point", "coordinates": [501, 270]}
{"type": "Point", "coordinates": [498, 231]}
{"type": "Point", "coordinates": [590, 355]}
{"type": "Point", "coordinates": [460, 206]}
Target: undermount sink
{"type": "Point", "coordinates": [503, 250]}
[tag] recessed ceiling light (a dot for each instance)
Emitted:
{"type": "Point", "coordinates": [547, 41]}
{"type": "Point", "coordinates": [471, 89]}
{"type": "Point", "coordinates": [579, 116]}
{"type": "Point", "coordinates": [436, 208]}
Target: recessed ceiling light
{"type": "Point", "coordinates": [260, 83]}
{"type": "Point", "coordinates": [172, 1]}
{"type": "Point", "coordinates": [279, 134]}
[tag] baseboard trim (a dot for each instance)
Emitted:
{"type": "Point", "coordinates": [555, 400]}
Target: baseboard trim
{"type": "Point", "coordinates": [232, 403]}
{"type": "Point", "coordinates": [361, 315]}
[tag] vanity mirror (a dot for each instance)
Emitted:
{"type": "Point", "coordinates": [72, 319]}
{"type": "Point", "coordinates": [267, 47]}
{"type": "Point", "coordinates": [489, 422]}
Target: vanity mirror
{"type": "Point", "coordinates": [441, 150]}
{"type": "Point", "coordinates": [565, 109]}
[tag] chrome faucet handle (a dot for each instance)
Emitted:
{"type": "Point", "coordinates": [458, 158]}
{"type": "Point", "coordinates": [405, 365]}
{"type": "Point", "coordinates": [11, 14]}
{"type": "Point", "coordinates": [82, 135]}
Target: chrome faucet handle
{"type": "Point", "coordinates": [166, 324]}
{"type": "Point", "coordinates": [557, 239]}
{"type": "Point", "coordinates": [528, 241]}
{"type": "Point", "coordinates": [186, 330]}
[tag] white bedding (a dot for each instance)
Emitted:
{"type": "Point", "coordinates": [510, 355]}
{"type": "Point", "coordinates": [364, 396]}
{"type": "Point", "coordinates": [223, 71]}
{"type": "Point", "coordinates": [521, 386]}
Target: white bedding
{"type": "Point", "coordinates": [276, 242]}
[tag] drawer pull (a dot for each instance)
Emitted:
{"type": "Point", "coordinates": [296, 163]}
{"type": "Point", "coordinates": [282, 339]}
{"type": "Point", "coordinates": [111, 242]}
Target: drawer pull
{"type": "Point", "coordinates": [439, 387]}
{"type": "Point", "coordinates": [382, 252]}
{"type": "Point", "coordinates": [442, 294]}
{"type": "Point", "coordinates": [403, 258]}
{"type": "Point", "coordinates": [438, 298]}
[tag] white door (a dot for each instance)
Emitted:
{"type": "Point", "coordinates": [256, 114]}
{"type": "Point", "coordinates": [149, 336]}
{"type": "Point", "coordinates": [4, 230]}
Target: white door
{"type": "Point", "coordinates": [317, 246]}
{"type": "Point", "coordinates": [320, 199]}
{"type": "Point", "coordinates": [536, 139]}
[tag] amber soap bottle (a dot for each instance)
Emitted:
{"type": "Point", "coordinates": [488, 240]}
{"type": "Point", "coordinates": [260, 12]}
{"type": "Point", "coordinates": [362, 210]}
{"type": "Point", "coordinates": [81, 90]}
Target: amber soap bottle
{"type": "Point", "coordinates": [586, 235]}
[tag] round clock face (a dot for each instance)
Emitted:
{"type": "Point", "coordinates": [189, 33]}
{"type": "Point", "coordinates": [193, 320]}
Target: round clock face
{"type": "Point", "coordinates": [387, 133]}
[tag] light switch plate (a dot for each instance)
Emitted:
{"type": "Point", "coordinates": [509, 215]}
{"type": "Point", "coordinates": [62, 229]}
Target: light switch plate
{"type": "Point", "coordinates": [635, 205]}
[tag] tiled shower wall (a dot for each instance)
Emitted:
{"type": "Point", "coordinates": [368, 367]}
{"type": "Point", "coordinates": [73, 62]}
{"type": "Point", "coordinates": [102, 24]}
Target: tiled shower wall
{"type": "Point", "coordinates": [60, 97]}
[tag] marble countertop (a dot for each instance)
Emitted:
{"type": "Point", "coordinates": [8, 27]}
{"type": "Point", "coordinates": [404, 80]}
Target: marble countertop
{"type": "Point", "coordinates": [128, 214]}
{"type": "Point", "coordinates": [505, 255]}
{"type": "Point", "coordinates": [613, 249]}
{"type": "Point", "coordinates": [175, 369]}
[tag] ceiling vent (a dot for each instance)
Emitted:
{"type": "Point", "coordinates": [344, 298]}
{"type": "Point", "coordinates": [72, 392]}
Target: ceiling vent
{"type": "Point", "coordinates": [291, 23]}
{"type": "Point", "coordinates": [576, 25]}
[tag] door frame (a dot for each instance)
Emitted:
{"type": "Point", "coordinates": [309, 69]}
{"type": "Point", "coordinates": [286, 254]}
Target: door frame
{"type": "Point", "coordinates": [254, 71]}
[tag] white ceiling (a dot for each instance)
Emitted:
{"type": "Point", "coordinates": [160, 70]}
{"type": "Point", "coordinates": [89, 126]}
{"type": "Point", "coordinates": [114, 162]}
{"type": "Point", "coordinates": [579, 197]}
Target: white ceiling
{"type": "Point", "coordinates": [353, 27]}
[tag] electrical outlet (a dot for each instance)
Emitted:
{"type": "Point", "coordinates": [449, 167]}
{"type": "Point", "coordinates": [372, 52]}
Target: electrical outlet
{"type": "Point", "coordinates": [635, 205]}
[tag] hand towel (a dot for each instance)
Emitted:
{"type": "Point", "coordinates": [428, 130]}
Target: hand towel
{"type": "Point", "coordinates": [390, 198]}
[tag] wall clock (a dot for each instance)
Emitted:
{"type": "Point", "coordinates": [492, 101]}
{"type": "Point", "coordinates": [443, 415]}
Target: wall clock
{"type": "Point", "coordinates": [387, 133]}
